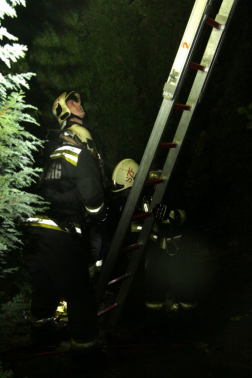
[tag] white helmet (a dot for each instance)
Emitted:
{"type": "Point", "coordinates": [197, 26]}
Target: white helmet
{"type": "Point", "coordinates": [60, 109]}
{"type": "Point", "coordinates": [124, 175]}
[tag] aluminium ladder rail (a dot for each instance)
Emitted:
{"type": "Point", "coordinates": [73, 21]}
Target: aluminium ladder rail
{"type": "Point", "coordinates": [220, 25]}
{"type": "Point", "coordinates": [195, 23]}
{"type": "Point", "coordinates": [198, 18]}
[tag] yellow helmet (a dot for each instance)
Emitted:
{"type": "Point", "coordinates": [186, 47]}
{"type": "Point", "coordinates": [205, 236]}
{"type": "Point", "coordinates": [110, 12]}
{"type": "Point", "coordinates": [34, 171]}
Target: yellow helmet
{"type": "Point", "coordinates": [84, 136]}
{"type": "Point", "coordinates": [60, 109]}
{"type": "Point", "coordinates": [124, 175]}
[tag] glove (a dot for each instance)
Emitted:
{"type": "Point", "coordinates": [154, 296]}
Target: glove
{"type": "Point", "coordinates": [173, 217]}
{"type": "Point", "coordinates": [160, 211]}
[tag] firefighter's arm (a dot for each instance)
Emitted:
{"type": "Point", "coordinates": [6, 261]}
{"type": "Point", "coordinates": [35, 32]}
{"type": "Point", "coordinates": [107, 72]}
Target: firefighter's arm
{"type": "Point", "coordinates": [89, 183]}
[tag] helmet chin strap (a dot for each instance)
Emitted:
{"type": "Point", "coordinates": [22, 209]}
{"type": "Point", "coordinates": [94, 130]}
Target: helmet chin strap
{"type": "Point", "coordinates": [75, 116]}
{"type": "Point", "coordinates": [66, 125]}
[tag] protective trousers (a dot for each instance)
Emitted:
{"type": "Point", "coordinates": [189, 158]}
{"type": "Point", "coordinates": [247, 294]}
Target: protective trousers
{"type": "Point", "coordinates": [178, 275]}
{"type": "Point", "coordinates": [156, 282]}
{"type": "Point", "coordinates": [58, 265]}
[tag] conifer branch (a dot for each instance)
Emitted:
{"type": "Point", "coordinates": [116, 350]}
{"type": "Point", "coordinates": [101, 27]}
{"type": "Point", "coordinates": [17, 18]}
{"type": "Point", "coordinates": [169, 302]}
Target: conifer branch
{"type": "Point", "coordinates": [7, 107]}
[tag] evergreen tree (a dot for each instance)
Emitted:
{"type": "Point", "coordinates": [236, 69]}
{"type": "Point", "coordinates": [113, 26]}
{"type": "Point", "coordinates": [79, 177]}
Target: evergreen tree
{"type": "Point", "coordinates": [16, 144]}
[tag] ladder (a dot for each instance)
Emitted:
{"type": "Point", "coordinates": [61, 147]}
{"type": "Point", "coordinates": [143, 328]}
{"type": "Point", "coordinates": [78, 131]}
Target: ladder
{"type": "Point", "coordinates": [198, 19]}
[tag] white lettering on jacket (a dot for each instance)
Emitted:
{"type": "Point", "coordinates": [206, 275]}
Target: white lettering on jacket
{"type": "Point", "coordinates": [54, 172]}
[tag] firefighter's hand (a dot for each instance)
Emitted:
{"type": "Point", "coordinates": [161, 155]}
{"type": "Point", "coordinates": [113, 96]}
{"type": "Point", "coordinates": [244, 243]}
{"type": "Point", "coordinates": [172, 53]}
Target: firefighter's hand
{"type": "Point", "coordinates": [160, 211]}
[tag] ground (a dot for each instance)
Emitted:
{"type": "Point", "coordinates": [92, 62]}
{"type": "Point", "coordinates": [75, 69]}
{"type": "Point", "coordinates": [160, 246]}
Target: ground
{"type": "Point", "coordinates": [212, 341]}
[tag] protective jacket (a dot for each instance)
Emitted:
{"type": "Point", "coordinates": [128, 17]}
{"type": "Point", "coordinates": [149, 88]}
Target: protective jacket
{"type": "Point", "coordinates": [71, 178]}
{"type": "Point", "coordinates": [57, 257]}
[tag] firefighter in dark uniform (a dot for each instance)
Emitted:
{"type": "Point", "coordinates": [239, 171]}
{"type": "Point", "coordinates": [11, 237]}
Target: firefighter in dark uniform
{"type": "Point", "coordinates": [58, 249]}
{"type": "Point", "coordinates": [163, 258]}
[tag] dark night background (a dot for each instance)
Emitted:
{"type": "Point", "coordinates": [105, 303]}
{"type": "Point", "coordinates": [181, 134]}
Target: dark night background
{"type": "Point", "coordinates": [118, 55]}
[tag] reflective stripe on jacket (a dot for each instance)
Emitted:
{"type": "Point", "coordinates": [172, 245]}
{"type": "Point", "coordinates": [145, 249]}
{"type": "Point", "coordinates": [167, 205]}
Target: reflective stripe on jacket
{"type": "Point", "coordinates": [95, 210]}
{"type": "Point", "coordinates": [154, 235]}
{"type": "Point", "coordinates": [72, 183]}
{"type": "Point", "coordinates": [71, 154]}
{"type": "Point", "coordinates": [46, 222]}
{"type": "Point", "coordinates": [68, 153]}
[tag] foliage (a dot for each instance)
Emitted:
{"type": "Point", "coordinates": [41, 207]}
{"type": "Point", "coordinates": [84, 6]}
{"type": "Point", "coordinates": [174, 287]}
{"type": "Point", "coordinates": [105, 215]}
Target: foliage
{"type": "Point", "coordinates": [6, 373]}
{"type": "Point", "coordinates": [248, 113]}
{"type": "Point", "coordinates": [16, 144]}
{"type": "Point", "coordinates": [12, 317]}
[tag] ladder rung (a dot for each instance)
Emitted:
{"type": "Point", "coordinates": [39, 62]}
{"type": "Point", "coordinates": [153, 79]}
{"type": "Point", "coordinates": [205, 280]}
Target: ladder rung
{"type": "Point", "coordinates": [168, 145]}
{"type": "Point", "coordinates": [131, 248]}
{"type": "Point", "coordinates": [213, 23]}
{"type": "Point", "coordinates": [142, 216]}
{"type": "Point", "coordinates": [154, 181]}
{"type": "Point", "coordinates": [109, 308]}
{"type": "Point", "coordinates": [182, 107]}
{"type": "Point", "coordinates": [118, 279]}
{"type": "Point", "coordinates": [198, 67]}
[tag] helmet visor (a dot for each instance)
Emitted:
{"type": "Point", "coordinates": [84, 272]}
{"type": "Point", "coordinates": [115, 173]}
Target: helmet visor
{"type": "Point", "coordinates": [116, 186]}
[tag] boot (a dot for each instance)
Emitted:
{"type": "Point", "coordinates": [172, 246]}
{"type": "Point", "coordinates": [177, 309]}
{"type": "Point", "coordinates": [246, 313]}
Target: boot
{"type": "Point", "coordinates": [88, 356]}
{"type": "Point", "coordinates": [49, 332]}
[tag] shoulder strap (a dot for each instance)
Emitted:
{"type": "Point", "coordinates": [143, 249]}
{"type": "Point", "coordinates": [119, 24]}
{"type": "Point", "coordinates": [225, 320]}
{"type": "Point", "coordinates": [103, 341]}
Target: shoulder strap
{"type": "Point", "coordinates": [71, 140]}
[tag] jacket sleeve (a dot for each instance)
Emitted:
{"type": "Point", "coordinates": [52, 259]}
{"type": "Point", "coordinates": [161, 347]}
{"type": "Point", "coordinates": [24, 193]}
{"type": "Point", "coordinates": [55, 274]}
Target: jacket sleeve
{"type": "Point", "coordinates": [89, 183]}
